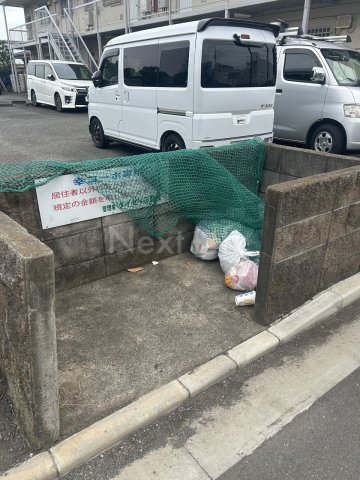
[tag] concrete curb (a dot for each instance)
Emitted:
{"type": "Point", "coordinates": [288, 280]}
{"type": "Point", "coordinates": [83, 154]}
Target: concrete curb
{"type": "Point", "coordinates": [108, 432]}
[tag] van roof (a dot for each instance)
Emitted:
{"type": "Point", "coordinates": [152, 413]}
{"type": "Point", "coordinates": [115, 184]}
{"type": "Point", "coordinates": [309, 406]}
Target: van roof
{"type": "Point", "coordinates": [190, 27]}
{"type": "Point", "coordinates": [54, 61]}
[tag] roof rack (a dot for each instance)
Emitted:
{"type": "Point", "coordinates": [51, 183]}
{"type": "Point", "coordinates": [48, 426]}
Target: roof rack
{"type": "Point", "coordinates": [290, 33]}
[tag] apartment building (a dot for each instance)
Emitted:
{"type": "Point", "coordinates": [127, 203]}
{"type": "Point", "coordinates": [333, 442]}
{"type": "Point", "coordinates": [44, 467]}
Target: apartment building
{"type": "Point", "coordinates": [78, 29]}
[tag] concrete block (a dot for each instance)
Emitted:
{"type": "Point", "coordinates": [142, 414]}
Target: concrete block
{"type": "Point", "coordinates": [253, 349]}
{"type": "Point", "coordinates": [353, 219]}
{"type": "Point", "coordinates": [40, 467]}
{"type": "Point", "coordinates": [346, 267]}
{"type": "Point", "coordinates": [348, 290]}
{"type": "Point", "coordinates": [347, 189]}
{"type": "Point", "coordinates": [303, 163]}
{"type": "Point", "coordinates": [77, 248]}
{"type": "Point", "coordinates": [339, 162]}
{"type": "Point", "coordinates": [338, 222]}
{"type": "Point", "coordinates": [269, 229]}
{"type": "Point", "coordinates": [208, 374]}
{"type": "Point", "coordinates": [273, 157]}
{"type": "Point", "coordinates": [286, 178]}
{"type": "Point", "coordinates": [106, 433]}
{"type": "Point", "coordinates": [124, 236]}
{"type": "Point", "coordinates": [263, 285]}
{"type": "Point", "coordinates": [169, 246]}
{"type": "Point", "coordinates": [75, 275]}
{"type": "Point", "coordinates": [300, 236]}
{"type": "Point", "coordinates": [269, 178]}
{"type": "Point", "coordinates": [340, 247]}
{"type": "Point", "coordinates": [22, 207]}
{"type": "Point", "coordinates": [306, 197]}
{"type": "Point", "coordinates": [119, 218]}
{"type": "Point", "coordinates": [307, 316]}
{"type": "Point", "coordinates": [292, 282]}
{"type": "Point", "coordinates": [133, 257]}
{"type": "Point", "coordinates": [27, 331]}
{"type": "Point", "coordinates": [71, 229]}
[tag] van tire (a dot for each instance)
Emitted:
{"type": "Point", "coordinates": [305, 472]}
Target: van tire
{"type": "Point", "coordinates": [58, 102]}
{"type": "Point", "coordinates": [34, 101]}
{"type": "Point", "coordinates": [327, 138]}
{"type": "Point", "coordinates": [172, 142]}
{"type": "Point", "coordinates": [97, 134]}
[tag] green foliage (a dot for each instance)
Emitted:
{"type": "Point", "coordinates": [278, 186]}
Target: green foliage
{"type": "Point", "coordinates": [4, 58]}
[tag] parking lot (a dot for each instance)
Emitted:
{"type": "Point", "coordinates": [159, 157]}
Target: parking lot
{"type": "Point", "coordinates": [29, 133]}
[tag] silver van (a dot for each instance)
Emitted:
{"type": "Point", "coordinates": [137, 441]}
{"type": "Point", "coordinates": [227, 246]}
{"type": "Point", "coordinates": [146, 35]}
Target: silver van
{"type": "Point", "coordinates": [317, 99]}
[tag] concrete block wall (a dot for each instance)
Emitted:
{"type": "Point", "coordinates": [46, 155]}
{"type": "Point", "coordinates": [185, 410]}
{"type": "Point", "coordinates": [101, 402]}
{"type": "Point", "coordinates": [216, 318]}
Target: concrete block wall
{"type": "Point", "coordinates": [28, 356]}
{"type": "Point", "coordinates": [90, 250]}
{"type": "Point", "coordinates": [311, 233]}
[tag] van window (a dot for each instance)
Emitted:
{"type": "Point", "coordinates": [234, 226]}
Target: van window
{"type": "Point", "coordinates": [69, 71]}
{"type": "Point", "coordinates": [140, 66]}
{"type": "Point", "coordinates": [110, 70]}
{"type": "Point", "coordinates": [40, 71]}
{"type": "Point", "coordinates": [173, 64]}
{"type": "Point", "coordinates": [31, 69]}
{"type": "Point", "coordinates": [48, 70]}
{"type": "Point", "coordinates": [226, 64]}
{"type": "Point", "coordinates": [298, 66]}
{"type": "Point", "coordinates": [345, 65]}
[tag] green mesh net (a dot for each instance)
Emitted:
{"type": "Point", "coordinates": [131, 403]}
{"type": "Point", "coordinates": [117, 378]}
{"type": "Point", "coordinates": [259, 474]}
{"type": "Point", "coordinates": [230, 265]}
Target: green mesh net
{"type": "Point", "coordinates": [215, 186]}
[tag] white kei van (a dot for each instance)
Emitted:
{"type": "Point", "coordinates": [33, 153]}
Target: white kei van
{"type": "Point", "coordinates": [190, 85]}
{"type": "Point", "coordinates": [318, 93]}
{"type": "Point", "coordinates": [58, 83]}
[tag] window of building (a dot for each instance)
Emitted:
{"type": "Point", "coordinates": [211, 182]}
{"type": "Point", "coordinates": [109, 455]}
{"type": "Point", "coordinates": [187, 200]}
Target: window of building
{"type": "Point", "coordinates": [173, 64]}
{"type": "Point", "coordinates": [226, 64]}
{"type": "Point", "coordinates": [298, 66]}
{"type": "Point", "coordinates": [140, 66]}
{"type": "Point", "coordinates": [40, 71]}
{"type": "Point", "coordinates": [110, 68]}
{"type": "Point", "coordinates": [108, 3]}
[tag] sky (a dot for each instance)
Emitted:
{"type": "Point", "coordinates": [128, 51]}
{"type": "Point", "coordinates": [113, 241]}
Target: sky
{"type": "Point", "coordinates": [15, 17]}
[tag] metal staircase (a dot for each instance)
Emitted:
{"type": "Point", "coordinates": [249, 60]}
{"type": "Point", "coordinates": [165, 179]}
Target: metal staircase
{"type": "Point", "coordinates": [65, 46]}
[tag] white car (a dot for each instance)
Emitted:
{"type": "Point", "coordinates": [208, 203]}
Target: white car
{"type": "Point", "coordinates": [58, 83]}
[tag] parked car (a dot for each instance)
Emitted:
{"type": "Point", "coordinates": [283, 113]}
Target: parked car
{"type": "Point", "coordinates": [318, 93]}
{"type": "Point", "coordinates": [191, 85]}
{"type": "Point", "coordinates": [58, 83]}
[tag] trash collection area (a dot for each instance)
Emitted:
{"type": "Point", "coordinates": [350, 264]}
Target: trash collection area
{"type": "Point", "coordinates": [124, 335]}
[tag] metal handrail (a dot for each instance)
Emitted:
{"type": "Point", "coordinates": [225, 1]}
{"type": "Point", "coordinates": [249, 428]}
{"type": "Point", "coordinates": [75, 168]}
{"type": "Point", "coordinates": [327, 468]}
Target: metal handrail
{"type": "Point", "coordinates": [44, 7]}
{"type": "Point", "coordinates": [81, 39]}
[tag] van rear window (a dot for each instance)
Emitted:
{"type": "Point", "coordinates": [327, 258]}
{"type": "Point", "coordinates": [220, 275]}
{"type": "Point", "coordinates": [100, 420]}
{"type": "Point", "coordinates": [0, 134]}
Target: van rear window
{"type": "Point", "coordinates": [31, 69]}
{"type": "Point", "coordinates": [226, 64]}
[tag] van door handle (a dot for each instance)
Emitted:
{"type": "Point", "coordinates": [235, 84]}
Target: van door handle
{"type": "Point", "coordinates": [279, 90]}
{"type": "Point", "coordinates": [126, 96]}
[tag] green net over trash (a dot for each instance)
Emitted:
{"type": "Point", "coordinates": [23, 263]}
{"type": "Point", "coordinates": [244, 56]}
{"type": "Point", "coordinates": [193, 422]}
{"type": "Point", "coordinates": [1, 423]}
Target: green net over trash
{"type": "Point", "coordinates": [217, 186]}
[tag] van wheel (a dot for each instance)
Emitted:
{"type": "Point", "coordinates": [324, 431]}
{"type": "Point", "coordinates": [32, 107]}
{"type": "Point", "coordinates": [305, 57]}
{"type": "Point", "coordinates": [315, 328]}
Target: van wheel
{"type": "Point", "coordinates": [58, 102]}
{"type": "Point", "coordinates": [97, 134]}
{"type": "Point", "coordinates": [172, 142]}
{"type": "Point", "coordinates": [327, 138]}
{"type": "Point", "coordinates": [34, 102]}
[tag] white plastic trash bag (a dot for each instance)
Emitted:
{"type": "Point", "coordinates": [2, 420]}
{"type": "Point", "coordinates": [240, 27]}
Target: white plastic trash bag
{"type": "Point", "coordinates": [243, 276]}
{"type": "Point", "coordinates": [233, 250]}
{"type": "Point", "coordinates": [202, 246]}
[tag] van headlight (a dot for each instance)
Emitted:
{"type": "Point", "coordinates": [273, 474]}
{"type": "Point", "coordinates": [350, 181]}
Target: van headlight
{"type": "Point", "coordinates": [352, 110]}
{"type": "Point", "coordinates": [69, 89]}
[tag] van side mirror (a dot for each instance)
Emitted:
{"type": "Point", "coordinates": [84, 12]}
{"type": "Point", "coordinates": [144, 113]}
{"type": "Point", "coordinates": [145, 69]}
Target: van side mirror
{"type": "Point", "coordinates": [318, 75]}
{"type": "Point", "coordinates": [50, 76]}
{"type": "Point", "coordinates": [97, 79]}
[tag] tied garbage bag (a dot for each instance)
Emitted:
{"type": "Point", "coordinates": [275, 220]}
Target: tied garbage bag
{"type": "Point", "coordinates": [203, 246]}
{"type": "Point", "coordinates": [232, 251]}
{"type": "Point", "coordinates": [243, 276]}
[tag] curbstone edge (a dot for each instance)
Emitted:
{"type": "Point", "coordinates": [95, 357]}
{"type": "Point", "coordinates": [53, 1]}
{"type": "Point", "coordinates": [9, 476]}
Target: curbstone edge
{"type": "Point", "coordinates": [208, 374]}
{"type": "Point", "coordinates": [307, 316]}
{"type": "Point", "coordinates": [40, 467]}
{"type": "Point", "coordinates": [108, 432]}
{"type": "Point", "coordinates": [254, 348]}
{"type": "Point", "coordinates": [348, 289]}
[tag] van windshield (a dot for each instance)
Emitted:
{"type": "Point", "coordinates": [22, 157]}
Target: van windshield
{"type": "Point", "coordinates": [345, 65]}
{"type": "Point", "coordinates": [66, 71]}
{"type": "Point", "coordinates": [227, 64]}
